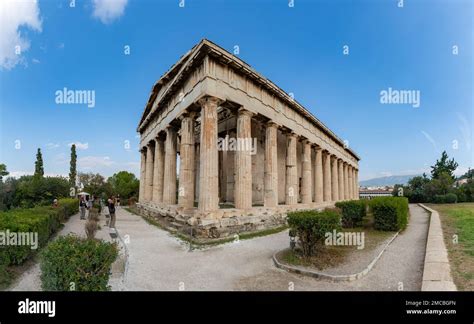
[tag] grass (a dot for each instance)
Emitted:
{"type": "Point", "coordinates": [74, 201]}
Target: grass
{"type": "Point", "coordinates": [201, 244]}
{"type": "Point", "coordinates": [458, 223]}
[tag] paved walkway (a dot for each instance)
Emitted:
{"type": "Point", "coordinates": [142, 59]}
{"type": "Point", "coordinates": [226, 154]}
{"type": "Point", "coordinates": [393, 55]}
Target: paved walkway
{"type": "Point", "coordinates": [159, 261]}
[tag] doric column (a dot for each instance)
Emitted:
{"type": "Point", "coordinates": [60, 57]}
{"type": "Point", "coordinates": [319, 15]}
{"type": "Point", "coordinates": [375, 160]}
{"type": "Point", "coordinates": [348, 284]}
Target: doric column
{"type": "Point", "coordinates": [149, 172]}
{"type": "Point", "coordinates": [271, 166]}
{"type": "Point", "coordinates": [356, 179]}
{"type": "Point", "coordinates": [209, 158]}
{"type": "Point", "coordinates": [318, 175]}
{"type": "Point", "coordinates": [243, 161]}
{"type": "Point", "coordinates": [351, 182]}
{"type": "Point", "coordinates": [334, 179]}
{"type": "Point", "coordinates": [306, 191]}
{"type": "Point", "coordinates": [340, 178]}
{"type": "Point", "coordinates": [327, 176]}
{"type": "Point", "coordinates": [291, 171]}
{"type": "Point", "coordinates": [141, 194]}
{"type": "Point", "coordinates": [186, 166]}
{"type": "Point", "coordinates": [159, 166]}
{"type": "Point", "coordinates": [169, 178]}
{"type": "Point", "coordinates": [346, 183]}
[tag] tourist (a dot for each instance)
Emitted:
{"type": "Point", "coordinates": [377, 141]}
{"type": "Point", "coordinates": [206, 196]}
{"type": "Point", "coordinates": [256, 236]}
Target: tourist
{"type": "Point", "coordinates": [55, 203]}
{"type": "Point", "coordinates": [82, 207]}
{"type": "Point", "coordinates": [111, 205]}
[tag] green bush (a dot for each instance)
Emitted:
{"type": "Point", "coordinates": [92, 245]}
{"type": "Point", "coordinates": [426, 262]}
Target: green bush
{"type": "Point", "coordinates": [353, 211]}
{"type": "Point", "coordinates": [390, 213]}
{"type": "Point", "coordinates": [44, 220]}
{"type": "Point", "coordinates": [451, 198]}
{"type": "Point", "coordinates": [74, 263]}
{"type": "Point", "coordinates": [311, 226]}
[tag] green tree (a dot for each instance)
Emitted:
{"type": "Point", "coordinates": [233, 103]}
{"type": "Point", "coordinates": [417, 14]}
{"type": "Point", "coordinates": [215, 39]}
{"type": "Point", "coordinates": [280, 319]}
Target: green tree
{"type": "Point", "coordinates": [73, 166]}
{"type": "Point", "coordinates": [441, 185]}
{"type": "Point", "coordinates": [444, 165]}
{"type": "Point", "coordinates": [124, 184]}
{"type": "Point", "coordinates": [3, 171]}
{"type": "Point", "coordinates": [39, 169]}
{"type": "Point", "coordinates": [94, 184]}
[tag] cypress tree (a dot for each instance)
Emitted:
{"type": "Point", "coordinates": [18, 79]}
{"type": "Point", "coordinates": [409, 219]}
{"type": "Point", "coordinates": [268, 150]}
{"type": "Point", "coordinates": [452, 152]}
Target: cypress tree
{"type": "Point", "coordinates": [39, 169]}
{"type": "Point", "coordinates": [72, 168]}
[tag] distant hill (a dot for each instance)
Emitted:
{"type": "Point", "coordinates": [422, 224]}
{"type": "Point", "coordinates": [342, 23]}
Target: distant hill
{"type": "Point", "coordinates": [387, 181]}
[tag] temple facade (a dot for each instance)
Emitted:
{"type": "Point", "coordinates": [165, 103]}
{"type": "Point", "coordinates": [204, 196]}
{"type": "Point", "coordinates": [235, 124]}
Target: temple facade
{"type": "Point", "coordinates": [225, 151]}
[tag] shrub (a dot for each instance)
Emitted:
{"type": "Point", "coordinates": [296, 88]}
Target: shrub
{"type": "Point", "coordinates": [74, 263]}
{"type": "Point", "coordinates": [390, 213]}
{"type": "Point", "coordinates": [353, 212]}
{"type": "Point", "coordinates": [451, 198]}
{"type": "Point", "coordinates": [44, 220]}
{"type": "Point", "coordinates": [311, 226]}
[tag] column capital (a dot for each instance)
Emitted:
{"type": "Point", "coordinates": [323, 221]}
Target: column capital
{"type": "Point", "coordinates": [210, 99]}
{"type": "Point", "coordinates": [271, 123]}
{"type": "Point", "coordinates": [187, 114]}
{"type": "Point", "coordinates": [245, 112]}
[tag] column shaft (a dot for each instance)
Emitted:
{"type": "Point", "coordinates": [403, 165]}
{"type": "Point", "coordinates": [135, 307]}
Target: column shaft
{"type": "Point", "coordinates": [169, 178]}
{"type": "Point", "coordinates": [209, 161]}
{"type": "Point", "coordinates": [149, 173]}
{"type": "Point", "coordinates": [334, 180]}
{"type": "Point", "coordinates": [243, 162]}
{"type": "Point", "coordinates": [271, 166]}
{"type": "Point", "coordinates": [340, 178]}
{"type": "Point", "coordinates": [159, 166]}
{"type": "Point", "coordinates": [350, 181]}
{"type": "Point", "coordinates": [306, 191]}
{"type": "Point", "coordinates": [141, 194]}
{"type": "Point", "coordinates": [186, 166]}
{"type": "Point", "coordinates": [327, 176]}
{"type": "Point", "coordinates": [291, 171]}
{"type": "Point", "coordinates": [318, 174]}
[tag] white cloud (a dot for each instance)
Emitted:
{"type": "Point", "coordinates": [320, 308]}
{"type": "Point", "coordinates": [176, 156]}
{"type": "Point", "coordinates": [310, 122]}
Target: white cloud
{"type": "Point", "coordinates": [80, 146]}
{"type": "Point", "coordinates": [18, 174]}
{"type": "Point", "coordinates": [94, 162]}
{"type": "Point", "coordinates": [36, 61]}
{"type": "Point", "coordinates": [14, 14]}
{"type": "Point", "coordinates": [108, 10]}
{"type": "Point", "coordinates": [52, 145]}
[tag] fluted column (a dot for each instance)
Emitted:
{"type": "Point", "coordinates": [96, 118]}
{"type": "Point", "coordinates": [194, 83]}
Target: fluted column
{"type": "Point", "coordinates": [334, 180]}
{"type": "Point", "coordinates": [271, 166]}
{"type": "Point", "coordinates": [340, 178]}
{"type": "Point", "coordinates": [209, 160]}
{"type": "Point", "coordinates": [291, 171]}
{"type": "Point", "coordinates": [169, 178]}
{"type": "Point", "coordinates": [141, 193]}
{"type": "Point", "coordinates": [306, 190]}
{"type": "Point", "coordinates": [318, 175]}
{"type": "Point", "coordinates": [243, 162]}
{"type": "Point", "coordinates": [347, 182]}
{"type": "Point", "coordinates": [149, 172]}
{"type": "Point", "coordinates": [351, 182]}
{"type": "Point", "coordinates": [158, 172]}
{"type": "Point", "coordinates": [186, 166]}
{"type": "Point", "coordinates": [327, 176]}
{"type": "Point", "coordinates": [356, 179]}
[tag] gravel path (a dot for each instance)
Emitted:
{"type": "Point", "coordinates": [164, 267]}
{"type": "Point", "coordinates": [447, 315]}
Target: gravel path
{"type": "Point", "coordinates": [30, 279]}
{"type": "Point", "coordinates": [158, 261]}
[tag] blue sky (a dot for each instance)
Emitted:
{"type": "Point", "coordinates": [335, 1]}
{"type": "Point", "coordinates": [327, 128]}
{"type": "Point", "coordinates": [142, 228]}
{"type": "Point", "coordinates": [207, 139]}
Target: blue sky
{"type": "Point", "coordinates": [299, 48]}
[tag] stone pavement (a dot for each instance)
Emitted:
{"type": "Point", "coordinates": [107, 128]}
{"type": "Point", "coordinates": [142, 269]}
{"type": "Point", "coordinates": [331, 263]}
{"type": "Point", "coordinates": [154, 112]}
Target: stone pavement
{"type": "Point", "coordinates": [159, 261]}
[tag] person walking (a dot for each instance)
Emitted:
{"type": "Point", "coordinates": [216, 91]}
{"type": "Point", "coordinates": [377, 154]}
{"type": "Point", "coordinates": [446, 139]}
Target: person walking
{"type": "Point", "coordinates": [82, 207]}
{"type": "Point", "coordinates": [111, 205]}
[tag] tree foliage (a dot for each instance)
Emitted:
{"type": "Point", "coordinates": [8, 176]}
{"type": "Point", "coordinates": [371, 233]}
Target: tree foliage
{"type": "Point", "coordinates": [73, 166]}
{"type": "Point", "coordinates": [39, 168]}
{"type": "Point", "coordinates": [444, 165]}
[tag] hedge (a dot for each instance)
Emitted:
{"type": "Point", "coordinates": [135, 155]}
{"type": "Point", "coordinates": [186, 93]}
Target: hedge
{"type": "Point", "coordinates": [390, 213]}
{"type": "Point", "coordinates": [353, 211]}
{"type": "Point", "coordinates": [44, 220]}
{"type": "Point", "coordinates": [449, 198]}
{"type": "Point", "coordinates": [74, 263]}
{"type": "Point", "coordinates": [311, 226]}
